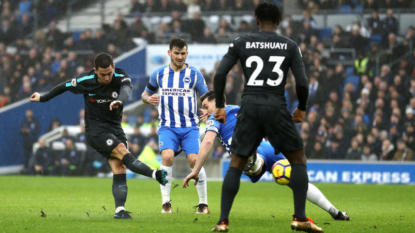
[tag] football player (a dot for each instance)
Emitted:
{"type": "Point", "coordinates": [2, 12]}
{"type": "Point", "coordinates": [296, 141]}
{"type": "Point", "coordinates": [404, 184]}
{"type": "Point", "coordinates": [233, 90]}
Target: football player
{"type": "Point", "coordinates": [105, 90]}
{"type": "Point", "coordinates": [174, 88]}
{"type": "Point", "coordinates": [265, 58]}
{"type": "Point", "coordinates": [258, 163]}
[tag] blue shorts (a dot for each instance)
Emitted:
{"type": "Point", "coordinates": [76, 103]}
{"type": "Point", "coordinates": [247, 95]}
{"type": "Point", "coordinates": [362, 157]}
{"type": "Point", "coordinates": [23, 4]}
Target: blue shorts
{"type": "Point", "coordinates": [188, 139]}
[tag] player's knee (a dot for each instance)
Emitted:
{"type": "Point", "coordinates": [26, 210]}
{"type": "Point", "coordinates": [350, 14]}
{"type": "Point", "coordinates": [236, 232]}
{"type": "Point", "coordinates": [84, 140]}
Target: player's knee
{"type": "Point", "coordinates": [122, 169]}
{"type": "Point", "coordinates": [119, 151]}
{"type": "Point", "coordinates": [167, 159]}
{"type": "Point", "coordinates": [121, 147]}
{"type": "Point", "coordinates": [192, 159]}
{"type": "Point", "coordinates": [118, 168]}
{"type": "Point", "coordinates": [192, 162]}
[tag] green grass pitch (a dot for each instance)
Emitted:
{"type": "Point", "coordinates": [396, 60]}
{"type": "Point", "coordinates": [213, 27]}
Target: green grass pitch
{"type": "Point", "coordinates": [76, 205]}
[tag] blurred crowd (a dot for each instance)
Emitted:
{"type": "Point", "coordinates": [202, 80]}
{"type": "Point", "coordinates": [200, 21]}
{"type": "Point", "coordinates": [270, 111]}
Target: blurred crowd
{"type": "Point", "coordinates": [37, 60]}
{"type": "Point", "coordinates": [17, 17]}
{"type": "Point", "coordinates": [186, 21]}
{"type": "Point", "coordinates": [312, 6]}
{"type": "Point", "coordinates": [191, 6]}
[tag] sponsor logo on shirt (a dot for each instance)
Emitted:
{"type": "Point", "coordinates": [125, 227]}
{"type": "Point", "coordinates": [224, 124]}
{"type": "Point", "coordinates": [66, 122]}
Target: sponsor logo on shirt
{"type": "Point", "coordinates": [176, 92]}
{"type": "Point", "coordinates": [101, 101]}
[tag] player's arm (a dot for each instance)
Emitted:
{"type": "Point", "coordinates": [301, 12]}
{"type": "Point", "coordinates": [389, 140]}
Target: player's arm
{"type": "Point", "coordinates": [201, 86]}
{"type": "Point", "coordinates": [149, 95]}
{"type": "Point", "coordinates": [219, 81]}
{"type": "Point", "coordinates": [125, 90]}
{"type": "Point", "coordinates": [204, 150]}
{"type": "Point", "coordinates": [149, 98]}
{"type": "Point", "coordinates": [56, 90]}
{"type": "Point", "coordinates": [301, 84]}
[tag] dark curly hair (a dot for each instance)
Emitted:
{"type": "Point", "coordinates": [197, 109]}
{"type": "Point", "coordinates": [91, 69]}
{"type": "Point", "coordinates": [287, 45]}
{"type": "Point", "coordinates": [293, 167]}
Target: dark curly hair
{"type": "Point", "coordinates": [268, 12]}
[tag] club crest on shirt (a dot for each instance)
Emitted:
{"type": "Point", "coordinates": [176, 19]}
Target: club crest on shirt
{"type": "Point", "coordinates": [114, 95]}
{"type": "Point", "coordinates": [109, 142]}
{"type": "Point", "coordinates": [186, 80]}
{"type": "Point", "coordinates": [73, 82]}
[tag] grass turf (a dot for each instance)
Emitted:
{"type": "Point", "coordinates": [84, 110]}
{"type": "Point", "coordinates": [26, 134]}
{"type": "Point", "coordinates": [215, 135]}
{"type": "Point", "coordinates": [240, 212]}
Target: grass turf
{"type": "Point", "coordinates": [76, 205]}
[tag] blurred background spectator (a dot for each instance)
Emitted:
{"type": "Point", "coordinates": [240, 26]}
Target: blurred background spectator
{"type": "Point", "coordinates": [29, 129]}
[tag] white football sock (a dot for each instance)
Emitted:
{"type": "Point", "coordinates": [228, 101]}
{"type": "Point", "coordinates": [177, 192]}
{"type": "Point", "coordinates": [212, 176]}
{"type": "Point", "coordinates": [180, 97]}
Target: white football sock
{"type": "Point", "coordinates": [202, 187]}
{"type": "Point", "coordinates": [257, 165]}
{"type": "Point", "coordinates": [119, 208]}
{"type": "Point", "coordinates": [165, 190]}
{"type": "Point", "coordinates": [317, 197]}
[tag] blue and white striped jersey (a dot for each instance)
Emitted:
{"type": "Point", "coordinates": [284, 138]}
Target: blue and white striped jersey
{"type": "Point", "coordinates": [178, 97]}
{"type": "Point", "coordinates": [224, 131]}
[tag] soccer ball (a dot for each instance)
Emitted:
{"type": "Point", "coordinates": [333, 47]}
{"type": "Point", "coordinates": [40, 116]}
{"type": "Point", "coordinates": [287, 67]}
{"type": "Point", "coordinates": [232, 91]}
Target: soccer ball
{"type": "Point", "coordinates": [281, 171]}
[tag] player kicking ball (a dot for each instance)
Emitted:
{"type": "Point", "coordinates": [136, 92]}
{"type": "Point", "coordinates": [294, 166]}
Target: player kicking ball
{"type": "Point", "coordinates": [258, 163]}
{"type": "Point", "coordinates": [105, 90]}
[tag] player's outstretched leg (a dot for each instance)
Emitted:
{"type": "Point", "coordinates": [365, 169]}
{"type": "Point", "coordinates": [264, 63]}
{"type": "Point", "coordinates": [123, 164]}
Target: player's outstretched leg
{"type": "Point", "coordinates": [141, 168]}
{"type": "Point", "coordinates": [230, 188]}
{"type": "Point", "coordinates": [120, 152]}
{"type": "Point", "coordinates": [317, 197]}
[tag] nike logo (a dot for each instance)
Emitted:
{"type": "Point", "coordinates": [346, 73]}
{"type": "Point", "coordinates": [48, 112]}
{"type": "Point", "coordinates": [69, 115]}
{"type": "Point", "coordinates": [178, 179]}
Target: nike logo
{"type": "Point", "coordinates": [91, 94]}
